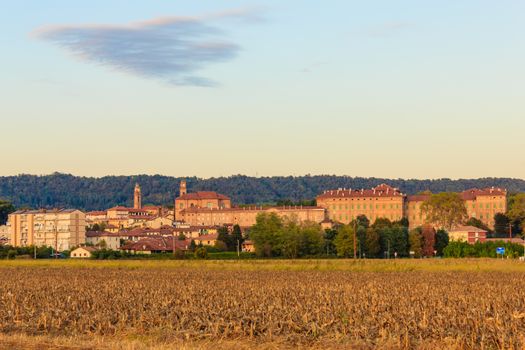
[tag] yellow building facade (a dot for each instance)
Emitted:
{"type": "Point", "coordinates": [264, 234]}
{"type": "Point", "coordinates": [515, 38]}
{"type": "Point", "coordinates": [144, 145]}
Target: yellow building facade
{"type": "Point", "coordinates": [383, 201]}
{"type": "Point", "coordinates": [61, 229]}
{"type": "Point", "coordinates": [344, 205]}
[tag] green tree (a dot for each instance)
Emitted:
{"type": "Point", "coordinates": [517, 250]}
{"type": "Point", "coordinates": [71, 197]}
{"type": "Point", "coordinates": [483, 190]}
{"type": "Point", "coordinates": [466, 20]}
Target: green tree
{"type": "Point", "coordinates": [236, 237]}
{"type": "Point", "coordinates": [223, 235]}
{"type": "Point", "coordinates": [516, 211]}
{"type": "Point", "coordinates": [501, 224]}
{"type": "Point", "coordinates": [311, 238]}
{"type": "Point", "coordinates": [478, 223]}
{"type": "Point", "coordinates": [415, 243]}
{"type": "Point", "coordinates": [6, 208]}
{"type": "Point", "coordinates": [372, 245]}
{"type": "Point", "coordinates": [394, 239]}
{"type": "Point", "coordinates": [363, 221]}
{"type": "Point", "coordinates": [441, 241]}
{"type": "Point", "coordinates": [201, 253]}
{"type": "Point", "coordinates": [329, 236]}
{"type": "Point", "coordinates": [265, 234]}
{"type": "Point", "coordinates": [445, 209]}
{"type": "Point", "coordinates": [344, 241]}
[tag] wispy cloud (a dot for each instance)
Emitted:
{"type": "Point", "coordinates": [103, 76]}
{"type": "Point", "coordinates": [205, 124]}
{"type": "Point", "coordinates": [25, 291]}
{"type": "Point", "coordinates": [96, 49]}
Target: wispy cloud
{"type": "Point", "coordinates": [387, 29]}
{"type": "Point", "coordinates": [171, 49]}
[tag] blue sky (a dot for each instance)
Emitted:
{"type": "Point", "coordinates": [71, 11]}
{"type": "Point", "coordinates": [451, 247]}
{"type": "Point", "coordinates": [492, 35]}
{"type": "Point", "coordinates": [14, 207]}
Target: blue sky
{"type": "Point", "coordinates": [378, 88]}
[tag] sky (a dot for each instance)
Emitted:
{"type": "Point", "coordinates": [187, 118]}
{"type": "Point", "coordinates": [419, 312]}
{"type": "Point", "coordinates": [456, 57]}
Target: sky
{"type": "Point", "coordinates": [394, 89]}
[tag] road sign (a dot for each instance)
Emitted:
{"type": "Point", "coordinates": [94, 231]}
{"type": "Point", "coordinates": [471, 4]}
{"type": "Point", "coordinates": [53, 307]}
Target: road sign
{"type": "Point", "coordinates": [500, 250]}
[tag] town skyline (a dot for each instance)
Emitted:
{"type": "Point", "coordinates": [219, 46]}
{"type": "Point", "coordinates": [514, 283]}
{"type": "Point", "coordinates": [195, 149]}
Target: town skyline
{"type": "Point", "coordinates": [404, 90]}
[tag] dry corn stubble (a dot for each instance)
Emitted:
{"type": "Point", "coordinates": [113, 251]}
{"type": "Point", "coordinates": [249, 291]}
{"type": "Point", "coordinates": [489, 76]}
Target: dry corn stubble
{"type": "Point", "coordinates": [402, 309]}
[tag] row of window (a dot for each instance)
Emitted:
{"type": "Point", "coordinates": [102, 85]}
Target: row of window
{"type": "Point", "coordinates": [342, 217]}
{"type": "Point", "coordinates": [365, 207]}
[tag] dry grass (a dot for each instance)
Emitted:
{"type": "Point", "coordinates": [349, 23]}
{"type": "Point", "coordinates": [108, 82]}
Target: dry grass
{"type": "Point", "coordinates": [313, 304]}
{"type": "Point", "coordinates": [350, 265]}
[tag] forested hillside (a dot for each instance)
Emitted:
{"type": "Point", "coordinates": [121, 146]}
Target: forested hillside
{"type": "Point", "coordinates": [63, 190]}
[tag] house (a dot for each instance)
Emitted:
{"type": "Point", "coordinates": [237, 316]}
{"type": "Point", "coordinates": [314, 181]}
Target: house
{"type": "Point", "coordinates": [103, 238]}
{"type": "Point", "coordinates": [209, 239]}
{"type": "Point", "coordinates": [248, 246]}
{"type": "Point", "coordinates": [469, 234]}
{"type": "Point", "coordinates": [156, 244]}
{"type": "Point", "coordinates": [82, 252]}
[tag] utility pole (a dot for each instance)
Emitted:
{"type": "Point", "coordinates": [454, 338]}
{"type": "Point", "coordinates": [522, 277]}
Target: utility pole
{"type": "Point", "coordinates": [238, 248]}
{"type": "Point", "coordinates": [510, 232]}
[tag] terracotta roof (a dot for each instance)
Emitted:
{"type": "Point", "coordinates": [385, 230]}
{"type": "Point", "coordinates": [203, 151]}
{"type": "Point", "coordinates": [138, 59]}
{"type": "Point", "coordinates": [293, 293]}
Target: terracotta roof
{"type": "Point", "coordinates": [245, 209]}
{"type": "Point", "coordinates": [88, 248]}
{"type": "Point", "coordinates": [382, 190]}
{"type": "Point", "coordinates": [100, 234]}
{"type": "Point", "coordinates": [157, 243]}
{"type": "Point", "coordinates": [119, 208]}
{"type": "Point", "coordinates": [419, 197]}
{"type": "Point", "coordinates": [473, 193]}
{"type": "Point", "coordinates": [96, 213]}
{"type": "Point", "coordinates": [45, 211]}
{"type": "Point", "coordinates": [203, 195]}
{"type": "Point", "coordinates": [467, 229]}
{"type": "Point", "coordinates": [210, 237]}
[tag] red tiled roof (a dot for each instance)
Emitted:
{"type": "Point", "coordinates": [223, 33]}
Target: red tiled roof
{"type": "Point", "coordinates": [419, 197]}
{"type": "Point", "coordinates": [157, 244]}
{"type": "Point", "coordinates": [96, 213]}
{"type": "Point", "coordinates": [467, 229]}
{"type": "Point", "coordinates": [382, 190]}
{"type": "Point", "coordinates": [100, 234]}
{"type": "Point", "coordinates": [203, 195]}
{"type": "Point", "coordinates": [244, 209]}
{"type": "Point", "coordinates": [119, 208]}
{"type": "Point", "coordinates": [473, 193]}
{"type": "Point", "coordinates": [210, 237]}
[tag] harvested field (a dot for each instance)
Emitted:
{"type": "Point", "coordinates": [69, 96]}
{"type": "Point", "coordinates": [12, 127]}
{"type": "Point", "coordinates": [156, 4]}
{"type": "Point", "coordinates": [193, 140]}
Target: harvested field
{"type": "Point", "coordinates": [331, 309]}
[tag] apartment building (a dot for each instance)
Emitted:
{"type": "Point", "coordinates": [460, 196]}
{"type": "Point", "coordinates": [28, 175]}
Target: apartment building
{"type": "Point", "coordinates": [59, 228]}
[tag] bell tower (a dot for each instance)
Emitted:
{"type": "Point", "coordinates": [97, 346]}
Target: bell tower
{"type": "Point", "coordinates": [137, 197]}
{"type": "Point", "coordinates": [182, 188]}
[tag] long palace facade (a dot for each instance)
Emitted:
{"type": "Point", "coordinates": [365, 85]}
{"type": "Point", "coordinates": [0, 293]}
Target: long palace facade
{"type": "Point", "coordinates": [344, 205]}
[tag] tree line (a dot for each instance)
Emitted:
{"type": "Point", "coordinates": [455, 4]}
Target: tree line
{"type": "Point", "coordinates": [88, 193]}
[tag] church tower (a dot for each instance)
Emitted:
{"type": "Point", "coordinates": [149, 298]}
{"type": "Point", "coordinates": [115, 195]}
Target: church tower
{"type": "Point", "coordinates": [137, 197]}
{"type": "Point", "coordinates": [182, 188]}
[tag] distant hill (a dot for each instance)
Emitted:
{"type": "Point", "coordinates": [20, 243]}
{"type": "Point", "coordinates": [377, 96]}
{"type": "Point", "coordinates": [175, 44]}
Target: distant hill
{"type": "Point", "coordinates": [64, 190]}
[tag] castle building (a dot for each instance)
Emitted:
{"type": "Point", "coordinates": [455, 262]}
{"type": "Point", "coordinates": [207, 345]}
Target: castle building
{"type": "Point", "coordinates": [247, 216]}
{"type": "Point", "coordinates": [344, 205]}
{"type": "Point", "coordinates": [61, 228]}
{"type": "Point", "coordinates": [214, 209]}
{"type": "Point", "coordinates": [201, 199]}
{"type": "Point", "coordinates": [383, 201]}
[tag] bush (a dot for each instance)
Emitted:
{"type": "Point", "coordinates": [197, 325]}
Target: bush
{"type": "Point", "coordinates": [201, 253]}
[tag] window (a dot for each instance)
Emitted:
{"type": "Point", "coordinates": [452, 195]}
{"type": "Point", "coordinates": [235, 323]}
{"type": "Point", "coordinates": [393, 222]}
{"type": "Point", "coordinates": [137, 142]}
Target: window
{"type": "Point", "coordinates": [182, 205]}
